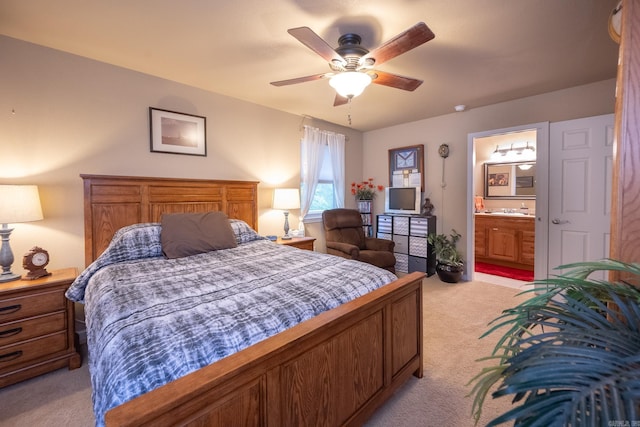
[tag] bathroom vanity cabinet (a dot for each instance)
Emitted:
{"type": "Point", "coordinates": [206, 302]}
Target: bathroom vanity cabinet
{"type": "Point", "coordinates": [507, 240]}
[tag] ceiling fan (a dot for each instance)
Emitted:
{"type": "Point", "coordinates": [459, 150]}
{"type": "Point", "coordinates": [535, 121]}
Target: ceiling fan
{"type": "Point", "coordinates": [352, 64]}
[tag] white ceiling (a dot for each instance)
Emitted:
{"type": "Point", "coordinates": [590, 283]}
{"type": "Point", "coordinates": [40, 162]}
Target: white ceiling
{"type": "Point", "coordinates": [484, 52]}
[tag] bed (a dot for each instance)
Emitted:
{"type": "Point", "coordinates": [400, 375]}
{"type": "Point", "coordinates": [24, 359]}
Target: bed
{"type": "Point", "coordinates": [334, 363]}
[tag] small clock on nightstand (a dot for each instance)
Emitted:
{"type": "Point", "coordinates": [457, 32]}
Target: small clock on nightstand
{"type": "Point", "coordinates": [35, 262]}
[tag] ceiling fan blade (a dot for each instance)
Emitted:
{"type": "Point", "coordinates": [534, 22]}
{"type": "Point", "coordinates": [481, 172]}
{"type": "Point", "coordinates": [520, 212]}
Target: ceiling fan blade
{"type": "Point", "coordinates": [340, 100]}
{"type": "Point", "coordinates": [301, 79]}
{"type": "Point", "coordinates": [307, 37]}
{"type": "Point", "coordinates": [396, 81]}
{"type": "Point", "coordinates": [403, 42]}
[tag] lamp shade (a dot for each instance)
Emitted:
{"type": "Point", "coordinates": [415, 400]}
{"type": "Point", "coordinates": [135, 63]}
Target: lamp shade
{"type": "Point", "coordinates": [19, 203]}
{"type": "Point", "coordinates": [286, 198]}
{"type": "Point", "coordinates": [350, 83]}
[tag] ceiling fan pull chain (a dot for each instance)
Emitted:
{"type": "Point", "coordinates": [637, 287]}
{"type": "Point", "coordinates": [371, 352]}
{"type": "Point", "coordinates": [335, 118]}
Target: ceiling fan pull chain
{"type": "Point", "coordinates": [349, 112]}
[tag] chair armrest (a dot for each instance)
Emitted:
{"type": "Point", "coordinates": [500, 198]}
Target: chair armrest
{"type": "Point", "coordinates": [351, 250]}
{"type": "Point", "coordinates": [375, 244]}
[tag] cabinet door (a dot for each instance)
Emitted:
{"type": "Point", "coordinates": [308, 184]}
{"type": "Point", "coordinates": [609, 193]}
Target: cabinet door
{"type": "Point", "coordinates": [385, 224]}
{"type": "Point", "coordinates": [401, 225]}
{"type": "Point", "coordinates": [419, 227]}
{"type": "Point", "coordinates": [402, 244]}
{"type": "Point", "coordinates": [417, 264]}
{"type": "Point", "coordinates": [402, 263]}
{"type": "Point", "coordinates": [503, 244]}
{"type": "Point", "coordinates": [527, 252]}
{"type": "Point", "coordinates": [418, 246]}
{"type": "Point", "coordinates": [480, 238]}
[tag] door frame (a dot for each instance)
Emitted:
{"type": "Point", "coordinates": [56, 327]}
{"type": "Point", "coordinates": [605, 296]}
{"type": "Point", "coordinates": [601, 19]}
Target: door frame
{"type": "Point", "coordinates": [542, 195]}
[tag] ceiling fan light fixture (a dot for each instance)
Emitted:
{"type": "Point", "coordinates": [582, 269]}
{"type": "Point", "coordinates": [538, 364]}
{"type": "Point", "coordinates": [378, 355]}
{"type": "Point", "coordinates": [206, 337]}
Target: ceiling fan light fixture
{"type": "Point", "coordinates": [350, 83]}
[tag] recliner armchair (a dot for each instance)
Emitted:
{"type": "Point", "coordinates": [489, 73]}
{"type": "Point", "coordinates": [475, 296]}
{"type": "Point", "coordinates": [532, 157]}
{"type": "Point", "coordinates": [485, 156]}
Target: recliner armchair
{"type": "Point", "coordinates": [345, 237]}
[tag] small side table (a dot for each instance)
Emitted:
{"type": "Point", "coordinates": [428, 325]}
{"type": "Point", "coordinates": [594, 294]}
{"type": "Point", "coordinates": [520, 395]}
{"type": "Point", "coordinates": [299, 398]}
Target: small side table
{"type": "Point", "coordinates": [305, 243]}
{"type": "Point", "coordinates": [37, 327]}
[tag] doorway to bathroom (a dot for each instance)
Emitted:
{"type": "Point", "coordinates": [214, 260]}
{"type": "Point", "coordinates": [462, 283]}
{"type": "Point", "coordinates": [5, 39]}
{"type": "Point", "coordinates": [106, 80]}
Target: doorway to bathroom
{"type": "Point", "coordinates": [508, 174]}
{"type": "Point", "coordinates": [573, 181]}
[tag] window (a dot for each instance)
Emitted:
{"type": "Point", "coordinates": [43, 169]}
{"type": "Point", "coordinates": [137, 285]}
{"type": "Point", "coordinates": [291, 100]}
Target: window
{"type": "Point", "coordinates": [321, 172]}
{"type": "Point", "coordinates": [324, 197]}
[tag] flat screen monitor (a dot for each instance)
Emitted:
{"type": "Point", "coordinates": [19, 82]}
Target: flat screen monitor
{"type": "Point", "coordinates": [402, 200]}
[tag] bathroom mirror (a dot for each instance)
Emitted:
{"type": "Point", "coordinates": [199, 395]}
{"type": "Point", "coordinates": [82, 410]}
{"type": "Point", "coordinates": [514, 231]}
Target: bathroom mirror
{"type": "Point", "coordinates": [516, 180]}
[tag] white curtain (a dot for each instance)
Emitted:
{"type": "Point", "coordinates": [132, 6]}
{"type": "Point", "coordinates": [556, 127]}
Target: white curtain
{"type": "Point", "coordinates": [336, 151]}
{"type": "Point", "coordinates": [312, 149]}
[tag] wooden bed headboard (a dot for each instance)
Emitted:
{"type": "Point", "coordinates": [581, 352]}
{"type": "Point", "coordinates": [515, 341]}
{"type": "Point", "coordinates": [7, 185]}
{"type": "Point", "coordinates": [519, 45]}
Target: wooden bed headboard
{"type": "Point", "coordinates": [112, 202]}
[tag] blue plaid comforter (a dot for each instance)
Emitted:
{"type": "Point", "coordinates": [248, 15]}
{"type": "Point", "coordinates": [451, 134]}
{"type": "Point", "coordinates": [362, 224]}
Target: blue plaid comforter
{"type": "Point", "coordinates": [151, 320]}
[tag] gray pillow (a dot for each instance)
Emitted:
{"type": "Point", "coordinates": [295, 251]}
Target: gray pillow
{"type": "Point", "coordinates": [188, 234]}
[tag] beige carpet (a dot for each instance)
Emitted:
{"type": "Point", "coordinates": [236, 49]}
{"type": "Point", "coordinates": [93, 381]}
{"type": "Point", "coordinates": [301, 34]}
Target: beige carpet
{"type": "Point", "coordinates": [455, 316]}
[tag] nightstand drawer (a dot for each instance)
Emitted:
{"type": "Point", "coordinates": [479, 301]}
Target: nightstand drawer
{"type": "Point", "coordinates": [31, 305]}
{"type": "Point", "coordinates": [22, 352]}
{"type": "Point", "coordinates": [37, 327]}
{"type": "Point", "coordinates": [305, 243]}
{"type": "Point", "coordinates": [22, 330]}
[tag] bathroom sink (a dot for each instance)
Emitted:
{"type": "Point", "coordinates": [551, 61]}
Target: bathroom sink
{"type": "Point", "coordinates": [508, 213]}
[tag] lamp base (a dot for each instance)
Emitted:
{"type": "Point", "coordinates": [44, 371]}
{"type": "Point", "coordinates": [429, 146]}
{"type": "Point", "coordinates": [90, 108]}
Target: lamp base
{"type": "Point", "coordinates": [6, 256]}
{"type": "Point", "coordinates": [9, 277]}
{"type": "Point", "coordinates": [286, 226]}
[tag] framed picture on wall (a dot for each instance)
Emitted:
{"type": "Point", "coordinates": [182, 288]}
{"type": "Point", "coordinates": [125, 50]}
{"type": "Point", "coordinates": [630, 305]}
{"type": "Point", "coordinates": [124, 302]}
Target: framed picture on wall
{"type": "Point", "coordinates": [177, 133]}
{"type": "Point", "coordinates": [515, 180]}
{"type": "Point", "coordinates": [406, 166]}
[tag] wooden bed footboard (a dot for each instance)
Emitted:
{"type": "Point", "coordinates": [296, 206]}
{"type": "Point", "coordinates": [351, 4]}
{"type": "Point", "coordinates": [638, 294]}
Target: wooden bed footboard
{"type": "Point", "coordinates": [334, 369]}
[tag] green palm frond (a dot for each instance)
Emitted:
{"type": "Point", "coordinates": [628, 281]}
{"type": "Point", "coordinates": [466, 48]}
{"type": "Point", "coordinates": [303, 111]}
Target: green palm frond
{"type": "Point", "coordinates": [567, 357]}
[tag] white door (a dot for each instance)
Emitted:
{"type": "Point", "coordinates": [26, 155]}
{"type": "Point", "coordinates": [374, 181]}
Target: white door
{"type": "Point", "coordinates": [580, 173]}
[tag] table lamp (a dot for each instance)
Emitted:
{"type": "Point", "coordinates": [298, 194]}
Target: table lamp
{"type": "Point", "coordinates": [285, 199]}
{"type": "Point", "coordinates": [18, 203]}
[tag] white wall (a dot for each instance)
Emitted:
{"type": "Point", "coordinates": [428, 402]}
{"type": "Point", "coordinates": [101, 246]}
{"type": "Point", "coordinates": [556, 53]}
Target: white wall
{"type": "Point", "coordinates": [62, 115]}
{"type": "Point", "coordinates": [450, 201]}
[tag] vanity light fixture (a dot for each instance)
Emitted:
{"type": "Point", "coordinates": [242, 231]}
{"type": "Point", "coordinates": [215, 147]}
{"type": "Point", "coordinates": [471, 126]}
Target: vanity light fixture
{"type": "Point", "coordinates": [497, 154]}
{"type": "Point", "coordinates": [527, 152]}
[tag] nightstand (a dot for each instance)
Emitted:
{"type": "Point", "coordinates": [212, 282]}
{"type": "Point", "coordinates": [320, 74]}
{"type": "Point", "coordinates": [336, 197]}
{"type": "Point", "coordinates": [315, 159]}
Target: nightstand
{"type": "Point", "coordinates": [37, 327]}
{"type": "Point", "coordinates": [305, 243]}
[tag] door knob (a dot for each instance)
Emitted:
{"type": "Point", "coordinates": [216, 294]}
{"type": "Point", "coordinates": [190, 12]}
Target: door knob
{"type": "Point", "coordinates": [558, 221]}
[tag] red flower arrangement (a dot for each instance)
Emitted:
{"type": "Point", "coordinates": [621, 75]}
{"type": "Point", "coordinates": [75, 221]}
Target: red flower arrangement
{"type": "Point", "coordinates": [365, 190]}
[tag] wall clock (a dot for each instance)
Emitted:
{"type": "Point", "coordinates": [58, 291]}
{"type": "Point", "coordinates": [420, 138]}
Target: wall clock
{"type": "Point", "coordinates": [443, 150]}
{"type": "Point", "coordinates": [406, 166]}
{"type": "Point", "coordinates": [35, 262]}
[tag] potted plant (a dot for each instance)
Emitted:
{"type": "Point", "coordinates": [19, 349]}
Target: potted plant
{"type": "Point", "coordinates": [449, 262]}
{"type": "Point", "coordinates": [365, 190]}
{"type": "Point", "coordinates": [570, 356]}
